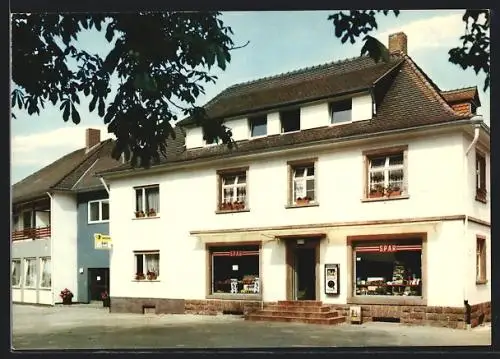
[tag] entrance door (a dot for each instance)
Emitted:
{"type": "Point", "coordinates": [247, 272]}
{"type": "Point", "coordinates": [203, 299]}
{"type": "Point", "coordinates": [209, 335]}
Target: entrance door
{"type": "Point", "coordinates": [305, 273]}
{"type": "Point", "coordinates": [98, 282]}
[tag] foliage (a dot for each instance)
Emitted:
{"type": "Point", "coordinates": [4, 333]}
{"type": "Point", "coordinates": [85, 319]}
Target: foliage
{"type": "Point", "coordinates": [161, 60]}
{"type": "Point", "coordinates": [474, 52]}
{"type": "Point", "coordinates": [66, 294]}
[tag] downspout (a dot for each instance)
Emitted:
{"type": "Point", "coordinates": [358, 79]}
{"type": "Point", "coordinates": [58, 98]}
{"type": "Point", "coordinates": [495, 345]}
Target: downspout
{"type": "Point", "coordinates": [51, 246]}
{"type": "Point", "coordinates": [477, 129]}
{"type": "Point", "coordinates": [104, 184]}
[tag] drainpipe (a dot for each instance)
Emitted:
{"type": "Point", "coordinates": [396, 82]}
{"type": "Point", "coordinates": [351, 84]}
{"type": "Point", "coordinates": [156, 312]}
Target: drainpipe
{"type": "Point", "coordinates": [477, 128]}
{"type": "Point", "coordinates": [51, 245]}
{"type": "Point", "coordinates": [104, 184]}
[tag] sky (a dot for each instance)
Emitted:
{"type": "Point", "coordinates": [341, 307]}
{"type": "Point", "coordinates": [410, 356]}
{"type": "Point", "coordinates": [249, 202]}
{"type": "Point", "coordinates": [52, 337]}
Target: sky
{"type": "Point", "coordinates": [279, 41]}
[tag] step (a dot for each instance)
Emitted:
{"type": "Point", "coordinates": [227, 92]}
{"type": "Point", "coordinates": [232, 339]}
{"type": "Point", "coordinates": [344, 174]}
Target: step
{"type": "Point", "coordinates": [304, 314]}
{"type": "Point", "coordinates": [327, 321]}
{"type": "Point", "coordinates": [301, 303]}
{"type": "Point", "coordinates": [295, 308]}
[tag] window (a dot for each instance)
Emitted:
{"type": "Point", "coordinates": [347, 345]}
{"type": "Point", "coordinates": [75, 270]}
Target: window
{"type": "Point", "coordinates": [98, 211]}
{"type": "Point", "coordinates": [235, 270]}
{"type": "Point", "coordinates": [147, 265]}
{"type": "Point", "coordinates": [290, 120]}
{"type": "Point", "coordinates": [214, 140]}
{"type": "Point", "coordinates": [391, 268]}
{"type": "Point", "coordinates": [147, 201]}
{"type": "Point", "coordinates": [480, 177]}
{"type": "Point", "coordinates": [233, 190]}
{"type": "Point", "coordinates": [386, 174]}
{"type": "Point", "coordinates": [480, 260]}
{"type": "Point", "coordinates": [303, 183]}
{"type": "Point", "coordinates": [27, 220]}
{"type": "Point", "coordinates": [30, 273]}
{"type": "Point", "coordinates": [45, 273]}
{"type": "Point", "coordinates": [258, 126]}
{"type": "Point", "coordinates": [16, 273]}
{"type": "Point", "coordinates": [341, 111]}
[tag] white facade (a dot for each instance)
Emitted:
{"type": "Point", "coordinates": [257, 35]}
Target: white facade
{"type": "Point", "coordinates": [189, 204]}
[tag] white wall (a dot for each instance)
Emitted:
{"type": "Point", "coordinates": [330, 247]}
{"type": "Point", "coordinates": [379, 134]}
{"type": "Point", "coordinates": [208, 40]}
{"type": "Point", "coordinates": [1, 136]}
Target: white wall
{"type": "Point", "coordinates": [239, 128]}
{"type": "Point", "coordinates": [29, 296]}
{"type": "Point", "coordinates": [477, 293]}
{"type": "Point", "coordinates": [273, 123]}
{"type": "Point", "coordinates": [42, 218]}
{"type": "Point", "coordinates": [16, 295]}
{"type": "Point", "coordinates": [314, 116]}
{"type": "Point", "coordinates": [475, 208]}
{"type": "Point", "coordinates": [194, 137]}
{"type": "Point", "coordinates": [45, 296]}
{"type": "Point", "coordinates": [64, 245]}
{"type": "Point", "coordinates": [362, 106]}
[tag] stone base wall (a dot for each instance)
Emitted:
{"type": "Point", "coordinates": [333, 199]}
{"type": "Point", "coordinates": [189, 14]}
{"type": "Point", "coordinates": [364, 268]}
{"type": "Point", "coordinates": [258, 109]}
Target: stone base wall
{"type": "Point", "coordinates": [480, 313]}
{"type": "Point", "coordinates": [138, 305]}
{"type": "Point", "coordinates": [448, 317]}
{"type": "Point", "coordinates": [219, 306]}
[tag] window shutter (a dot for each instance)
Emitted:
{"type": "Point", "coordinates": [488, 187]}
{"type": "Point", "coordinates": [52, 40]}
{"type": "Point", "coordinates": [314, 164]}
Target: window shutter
{"type": "Point", "coordinates": [482, 169]}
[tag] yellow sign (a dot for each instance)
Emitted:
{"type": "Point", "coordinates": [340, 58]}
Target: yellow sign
{"type": "Point", "coordinates": [102, 241]}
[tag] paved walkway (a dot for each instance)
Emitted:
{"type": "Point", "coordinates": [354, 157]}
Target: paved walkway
{"type": "Point", "coordinates": [93, 327]}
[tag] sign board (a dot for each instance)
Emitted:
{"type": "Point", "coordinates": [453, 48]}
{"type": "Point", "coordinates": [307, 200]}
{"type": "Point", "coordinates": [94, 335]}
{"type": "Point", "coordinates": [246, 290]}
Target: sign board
{"type": "Point", "coordinates": [331, 278]}
{"type": "Point", "coordinates": [355, 314]}
{"type": "Point", "coordinates": [102, 241]}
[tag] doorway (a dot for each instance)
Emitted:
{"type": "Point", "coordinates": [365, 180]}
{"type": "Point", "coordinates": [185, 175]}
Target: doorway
{"type": "Point", "coordinates": [303, 264]}
{"type": "Point", "coordinates": [98, 282]}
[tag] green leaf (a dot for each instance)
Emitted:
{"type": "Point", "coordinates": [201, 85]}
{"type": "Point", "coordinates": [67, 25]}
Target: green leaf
{"type": "Point", "coordinates": [93, 103]}
{"type": "Point", "coordinates": [66, 111]}
{"type": "Point", "coordinates": [75, 116]}
{"type": "Point", "coordinates": [101, 107]}
{"type": "Point", "coordinates": [375, 49]}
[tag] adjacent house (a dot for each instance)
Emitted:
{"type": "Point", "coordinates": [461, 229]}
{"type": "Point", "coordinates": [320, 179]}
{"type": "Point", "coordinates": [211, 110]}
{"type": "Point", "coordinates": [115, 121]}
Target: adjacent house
{"type": "Point", "coordinates": [56, 212]}
{"type": "Point", "coordinates": [353, 184]}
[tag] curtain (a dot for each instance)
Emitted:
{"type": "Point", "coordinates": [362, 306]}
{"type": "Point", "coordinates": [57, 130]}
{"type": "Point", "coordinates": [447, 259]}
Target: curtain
{"type": "Point", "coordinates": [153, 263]}
{"type": "Point", "coordinates": [30, 273]}
{"type": "Point", "coordinates": [46, 273]}
{"type": "Point", "coordinates": [138, 200]}
{"type": "Point", "coordinates": [16, 266]}
{"type": "Point", "coordinates": [153, 199]}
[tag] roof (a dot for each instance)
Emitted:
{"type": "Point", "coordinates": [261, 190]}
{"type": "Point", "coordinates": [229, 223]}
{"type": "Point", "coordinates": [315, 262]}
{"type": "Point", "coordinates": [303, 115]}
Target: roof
{"type": "Point", "coordinates": [403, 94]}
{"type": "Point", "coordinates": [467, 94]}
{"type": "Point", "coordinates": [64, 173]}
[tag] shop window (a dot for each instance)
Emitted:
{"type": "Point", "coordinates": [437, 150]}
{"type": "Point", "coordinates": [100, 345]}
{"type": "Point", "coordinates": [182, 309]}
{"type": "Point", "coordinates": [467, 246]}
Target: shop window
{"type": "Point", "coordinates": [147, 265]}
{"type": "Point", "coordinates": [16, 273]}
{"type": "Point", "coordinates": [233, 190]}
{"type": "Point", "coordinates": [147, 201]}
{"type": "Point", "coordinates": [480, 177]}
{"type": "Point", "coordinates": [98, 211]}
{"type": "Point", "coordinates": [480, 260]}
{"type": "Point", "coordinates": [258, 126]}
{"type": "Point", "coordinates": [45, 273]}
{"type": "Point", "coordinates": [235, 270]}
{"type": "Point", "coordinates": [30, 273]}
{"type": "Point", "coordinates": [290, 120]}
{"type": "Point", "coordinates": [341, 111]}
{"type": "Point", "coordinates": [388, 269]}
{"type": "Point", "coordinates": [303, 183]}
{"type": "Point", "coordinates": [386, 174]}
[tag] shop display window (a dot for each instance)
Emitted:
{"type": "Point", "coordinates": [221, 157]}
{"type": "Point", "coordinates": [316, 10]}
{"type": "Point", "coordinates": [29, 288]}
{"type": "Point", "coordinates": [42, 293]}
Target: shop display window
{"type": "Point", "coordinates": [235, 270]}
{"type": "Point", "coordinates": [388, 269]}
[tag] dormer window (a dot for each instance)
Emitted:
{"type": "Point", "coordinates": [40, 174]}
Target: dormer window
{"type": "Point", "coordinates": [341, 111]}
{"type": "Point", "coordinates": [290, 120]}
{"type": "Point", "coordinates": [258, 126]}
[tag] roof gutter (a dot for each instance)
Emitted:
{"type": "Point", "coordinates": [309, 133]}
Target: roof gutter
{"type": "Point", "coordinates": [319, 145]}
{"type": "Point", "coordinates": [104, 184]}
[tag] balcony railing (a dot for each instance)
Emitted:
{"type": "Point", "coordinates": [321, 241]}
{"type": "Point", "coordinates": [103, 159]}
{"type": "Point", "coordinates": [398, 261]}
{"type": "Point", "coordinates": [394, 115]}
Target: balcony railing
{"type": "Point", "coordinates": [31, 233]}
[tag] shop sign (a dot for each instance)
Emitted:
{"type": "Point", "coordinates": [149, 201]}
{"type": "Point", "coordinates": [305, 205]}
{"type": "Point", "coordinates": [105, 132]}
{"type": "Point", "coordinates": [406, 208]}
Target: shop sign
{"type": "Point", "coordinates": [331, 278]}
{"type": "Point", "coordinates": [388, 248]}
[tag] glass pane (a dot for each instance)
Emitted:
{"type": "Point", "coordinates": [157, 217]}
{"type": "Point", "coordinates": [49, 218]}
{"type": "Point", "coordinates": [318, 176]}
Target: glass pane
{"type": "Point", "coordinates": [139, 263]}
{"type": "Point", "coordinates": [395, 160]}
{"type": "Point", "coordinates": [310, 189]}
{"type": "Point", "coordinates": [299, 189]}
{"type": "Point", "coordinates": [310, 171]}
{"type": "Point", "coordinates": [241, 194]}
{"type": "Point", "coordinates": [94, 211]}
{"type": "Point", "coordinates": [377, 162]}
{"type": "Point", "coordinates": [259, 126]}
{"type": "Point", "coordinates": [46, 273]}
{"type": "Point", "coordinates": [341, 111]}
{"type": "Point", "coordinates": [228, 180]}
{"type": "Point", "coordinates": [153, 199]}
{"type": "Point", "coordinates": [153, 263]}
{"type": "Point", "coordinates": [235, 274]}
{"type": "Point", "coordinates": [138, 200]}
{"type": "Point", "coordinates": [228, 195]}
{"type": "Point", "coordinates": [290, 120]}
{"type": "Point", "coordinates": [299, 172]}
{"type": "Point", "coordinates": [27, 219]}
{"type": "Point", "coordinates": [105, 210]}
{"type": "Point", "coordinates": [377, 177]}
{"type": "Point", "coordinates": [242, 179]}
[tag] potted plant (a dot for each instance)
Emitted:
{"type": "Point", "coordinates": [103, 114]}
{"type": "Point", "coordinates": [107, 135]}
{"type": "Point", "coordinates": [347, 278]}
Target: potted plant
{"type": "Point", "coordinates": [106, 301]}
{"type": "Point", "coordinates": [151, 212]}
{"type": "Point", "coordinates": [66, 296]}
{"type": "Point", "coordinates": [302, 201]}
{"type": "Point", "coordinates": [139, 276]}
{"type": "Point", "coordinates": [151, 275]}
{"type": "Point", "coordinates": [377, 191]}
{"type": "Point", "coordinates": [393, 190]}
{"type": "Point", "coordinates": [139, 214]}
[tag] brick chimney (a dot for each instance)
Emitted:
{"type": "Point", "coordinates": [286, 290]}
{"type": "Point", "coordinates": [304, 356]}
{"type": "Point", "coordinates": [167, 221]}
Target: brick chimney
{"type": "Point", "coordinates": [92, 137]}
{"type": "Point", "coordinates": [398, 43]}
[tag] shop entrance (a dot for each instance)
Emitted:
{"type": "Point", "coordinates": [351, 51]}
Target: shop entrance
{"type": "Point", "coordinates": [303, 265]}
{"type": "Point", "coordinates": [98, 282]}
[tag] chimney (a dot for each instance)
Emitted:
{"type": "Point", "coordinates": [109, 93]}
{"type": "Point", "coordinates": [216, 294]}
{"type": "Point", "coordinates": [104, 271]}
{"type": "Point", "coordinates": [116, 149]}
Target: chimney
{"type": "Point", "coordinates": [92, 137]}
{"type": "Point", "coordinates": [398, 43]}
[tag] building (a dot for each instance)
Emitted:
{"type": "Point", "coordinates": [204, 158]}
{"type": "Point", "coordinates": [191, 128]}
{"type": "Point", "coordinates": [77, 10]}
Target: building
{"type": "Point", "coordinates": [56, 212]}
{"type": "Point", "coordinates": [353, 183]}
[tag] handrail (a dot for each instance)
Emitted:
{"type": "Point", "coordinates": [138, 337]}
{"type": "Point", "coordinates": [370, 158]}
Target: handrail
{"type": "Point", "coordinates": [31, 233]}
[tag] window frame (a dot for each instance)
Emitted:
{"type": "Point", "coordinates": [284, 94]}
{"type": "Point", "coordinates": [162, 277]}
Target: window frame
{"type": "Point", "coordinates": [42, 267]}
{"type": "Point", "coordinates": [221, 174]}
{"type": "Point", "coordinates": [143, 194]}
{"type": "Point", "coordinates": [331, 107]}
{"type": "Point", "coordinates": [292, 166]}
{"type": "Point", "coordinates": [144, 253]}
{"type": "Point", "coordinates": [215, 247]}
{"type": "Point", "coordinates": [20, 275]}
{"type": "Point", "coordinates": [35, 276]}
{"type": "Point", "coordinates": [100, 220]}
{"type": "Point", "coordinates": [251, 122]}
{"type": "Point", "coordinates": [480, 168]}
{"type": "Point", "coordinates": [285, 112]}
{"type": "Point", "coordinates": [481, 259]}
{"type": "Point", "coordinates": [387, 152]}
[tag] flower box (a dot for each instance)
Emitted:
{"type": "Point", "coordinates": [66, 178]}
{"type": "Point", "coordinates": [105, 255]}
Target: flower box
{"type": "Point", "coordinates": [139, 214]}
{"type": "Point", "coordinates": [139, 276]}
{"type": "Point", "coordinates": [151, 212]}
{"type": "Point", "coordinates": [302, 201]}
{"type": "Point", "coordinates": [151, 275]}
{"type": "Point", "coordinates": [376, 194]}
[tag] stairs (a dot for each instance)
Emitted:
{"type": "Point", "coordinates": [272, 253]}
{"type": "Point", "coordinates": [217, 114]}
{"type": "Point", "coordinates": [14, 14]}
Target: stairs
{"type": "Point", "coordinates": [301, 311]}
